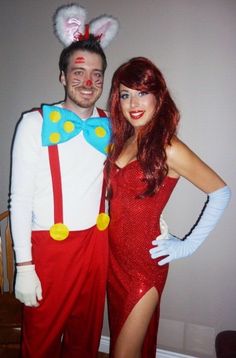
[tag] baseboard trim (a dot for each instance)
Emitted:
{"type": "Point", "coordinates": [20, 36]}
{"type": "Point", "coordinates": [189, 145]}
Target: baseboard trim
{"type": "Point", "coordinates": [105, 342]}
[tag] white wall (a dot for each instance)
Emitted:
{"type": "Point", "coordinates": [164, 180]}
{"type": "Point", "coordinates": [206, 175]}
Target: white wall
{"type": "Point", "coordinates": [193, 43]}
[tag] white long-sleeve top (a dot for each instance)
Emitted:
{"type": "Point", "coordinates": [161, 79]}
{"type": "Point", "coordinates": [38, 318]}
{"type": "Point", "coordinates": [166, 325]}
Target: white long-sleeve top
{"type": "Point", "coordinates": [32, 206]}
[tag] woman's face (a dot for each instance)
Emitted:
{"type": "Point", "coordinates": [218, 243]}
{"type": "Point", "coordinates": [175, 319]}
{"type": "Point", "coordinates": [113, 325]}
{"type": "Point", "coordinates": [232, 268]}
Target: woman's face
{"type": "Point", "coordinates": [138, 107]}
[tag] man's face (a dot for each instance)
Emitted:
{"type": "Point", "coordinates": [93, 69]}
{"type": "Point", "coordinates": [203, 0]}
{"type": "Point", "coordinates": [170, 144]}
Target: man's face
{"type": "Point", "coordinates": [84, 79]}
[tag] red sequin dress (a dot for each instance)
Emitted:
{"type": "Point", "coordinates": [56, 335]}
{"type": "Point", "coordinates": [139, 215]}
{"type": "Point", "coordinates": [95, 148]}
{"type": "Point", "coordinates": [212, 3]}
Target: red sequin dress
{"type": "Point", "coordinates": [132, 272]}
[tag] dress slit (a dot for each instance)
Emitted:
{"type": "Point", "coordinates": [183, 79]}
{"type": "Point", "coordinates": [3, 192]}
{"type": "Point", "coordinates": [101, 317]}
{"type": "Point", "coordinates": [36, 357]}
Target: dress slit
{"type": "Point", "coordinates": [152, 325]}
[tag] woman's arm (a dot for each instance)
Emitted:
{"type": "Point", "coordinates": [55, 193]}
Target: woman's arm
{"type": "Point", "coordinates": [183, 162]}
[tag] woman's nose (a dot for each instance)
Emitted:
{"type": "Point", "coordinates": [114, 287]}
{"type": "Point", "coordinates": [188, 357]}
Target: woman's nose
{"type": "Point", "coordinates": [134, 101]}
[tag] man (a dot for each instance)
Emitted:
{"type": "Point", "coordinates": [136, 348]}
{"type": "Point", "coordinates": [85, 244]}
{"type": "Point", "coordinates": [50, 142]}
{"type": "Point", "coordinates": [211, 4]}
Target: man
{"type": "Point", "coordinates": [57, 203]}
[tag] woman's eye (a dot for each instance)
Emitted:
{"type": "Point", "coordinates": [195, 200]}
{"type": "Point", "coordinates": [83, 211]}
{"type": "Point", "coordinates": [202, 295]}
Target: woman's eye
{"type": "Point", "coordinates": [124, 95]}
{"type": "Point", "coordinates": [143, 93]}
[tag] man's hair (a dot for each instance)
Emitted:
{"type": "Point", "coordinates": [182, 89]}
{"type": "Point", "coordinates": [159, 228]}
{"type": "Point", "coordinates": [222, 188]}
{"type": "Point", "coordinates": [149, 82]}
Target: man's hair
{"type": "Point", "coordinates": [91, 45]}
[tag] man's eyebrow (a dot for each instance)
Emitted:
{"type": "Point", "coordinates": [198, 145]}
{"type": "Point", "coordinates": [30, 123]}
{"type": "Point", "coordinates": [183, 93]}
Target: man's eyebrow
{"type": "Point", "coordinates": [77, 68]}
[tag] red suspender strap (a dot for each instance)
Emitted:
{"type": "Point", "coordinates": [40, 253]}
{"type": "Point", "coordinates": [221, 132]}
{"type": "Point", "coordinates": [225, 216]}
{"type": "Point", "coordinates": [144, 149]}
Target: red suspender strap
{"type": "Point", "coordinates": [102, 203]}
{"type": "Point", "coordinates": [56, 183]}
{"type": "Point", "coordinates": [58, 231]}
{"type": "Point", "coordinates": [101, 112]}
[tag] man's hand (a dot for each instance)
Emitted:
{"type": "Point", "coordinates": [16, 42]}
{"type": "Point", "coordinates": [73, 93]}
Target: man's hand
{"type": "Point", "coordinates": [28, 288]}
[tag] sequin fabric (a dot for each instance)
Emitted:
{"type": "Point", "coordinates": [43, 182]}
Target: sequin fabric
{"type": "Point", "coordinates": [134, 224]}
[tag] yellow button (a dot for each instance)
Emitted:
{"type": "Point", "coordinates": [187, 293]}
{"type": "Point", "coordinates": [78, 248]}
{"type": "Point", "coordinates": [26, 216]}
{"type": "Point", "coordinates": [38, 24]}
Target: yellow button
{"type": "Point", "coordinates": [59, 232]}
{"type": "Point", "coordinates": [103, 221]}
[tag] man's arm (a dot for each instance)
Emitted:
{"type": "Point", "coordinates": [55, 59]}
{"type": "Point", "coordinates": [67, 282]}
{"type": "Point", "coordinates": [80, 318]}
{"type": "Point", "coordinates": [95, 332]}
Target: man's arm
{"type": "Point", "coordinates": [25, 156]}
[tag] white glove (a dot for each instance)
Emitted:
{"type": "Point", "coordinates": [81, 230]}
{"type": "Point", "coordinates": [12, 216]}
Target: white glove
{"type": "Point", "coordinates": [28, 288]}
{"type": "Point", "coordinates": [163, 229]}
{"type": "Point", "coordinates": [175, 248]}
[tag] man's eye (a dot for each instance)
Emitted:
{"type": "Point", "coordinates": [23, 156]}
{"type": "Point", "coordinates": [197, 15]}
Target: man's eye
{"type": "Point", "coordinates": [78, 73]}
{"type": "Point", "coordinates": [98, 74]}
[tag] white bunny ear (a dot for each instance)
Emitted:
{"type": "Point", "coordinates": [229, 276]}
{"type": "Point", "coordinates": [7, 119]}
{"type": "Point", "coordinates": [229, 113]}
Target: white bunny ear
{"type": "Point", "coordinates": [105, 28]}
{"type": "Point", "coordinates": [68, 22]}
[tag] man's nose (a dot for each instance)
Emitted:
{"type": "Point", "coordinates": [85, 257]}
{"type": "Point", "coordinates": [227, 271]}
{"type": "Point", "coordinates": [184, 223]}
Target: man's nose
{"type": "Point", "coordinates": [88, 82]}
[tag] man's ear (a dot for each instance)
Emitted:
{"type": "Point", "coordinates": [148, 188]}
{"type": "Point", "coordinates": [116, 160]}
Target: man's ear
{"type": "Point", "coordinates": [63, 78]}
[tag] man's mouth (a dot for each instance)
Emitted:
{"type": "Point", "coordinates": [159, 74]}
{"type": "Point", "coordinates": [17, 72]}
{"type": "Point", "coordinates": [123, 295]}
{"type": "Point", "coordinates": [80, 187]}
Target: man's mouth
{"type": "Point", "coordinates": [86, 92]}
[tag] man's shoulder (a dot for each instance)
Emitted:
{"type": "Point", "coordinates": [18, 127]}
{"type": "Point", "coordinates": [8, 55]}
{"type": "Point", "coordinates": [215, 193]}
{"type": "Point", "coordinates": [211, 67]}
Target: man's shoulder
{"type": "Point", "coordinates": [32, 112]}
{"type": "Point", "coordinates": [35, 113]}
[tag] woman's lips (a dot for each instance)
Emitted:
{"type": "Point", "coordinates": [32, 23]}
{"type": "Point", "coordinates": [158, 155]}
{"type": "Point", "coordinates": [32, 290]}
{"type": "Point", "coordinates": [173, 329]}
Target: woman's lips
{"type": "Point", "coordinates": [136, 114]}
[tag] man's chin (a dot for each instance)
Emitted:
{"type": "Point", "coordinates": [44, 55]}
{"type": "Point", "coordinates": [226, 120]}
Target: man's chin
{"type": "Point", "coordinates": [86, 103]}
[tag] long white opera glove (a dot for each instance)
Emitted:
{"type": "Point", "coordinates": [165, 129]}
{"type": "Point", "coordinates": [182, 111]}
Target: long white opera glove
{"type": "Point", "coordinates": [28, 288]}
{"type": "Point", "coordinates": [175, 248]}
{"type": "Point", "coordinates": [163, 229]}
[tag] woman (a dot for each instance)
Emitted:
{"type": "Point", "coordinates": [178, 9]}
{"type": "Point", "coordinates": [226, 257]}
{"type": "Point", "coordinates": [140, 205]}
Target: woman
{"type": "Point", "coordinates": [144, 165]}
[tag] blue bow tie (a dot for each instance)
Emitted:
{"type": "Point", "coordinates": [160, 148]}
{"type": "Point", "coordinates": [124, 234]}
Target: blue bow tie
{"type": "Point", "coordinates": [60, 125]}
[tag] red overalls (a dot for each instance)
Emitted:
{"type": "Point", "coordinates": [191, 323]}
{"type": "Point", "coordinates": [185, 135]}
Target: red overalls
{"type": "Point", "coordinates": [73, 273]}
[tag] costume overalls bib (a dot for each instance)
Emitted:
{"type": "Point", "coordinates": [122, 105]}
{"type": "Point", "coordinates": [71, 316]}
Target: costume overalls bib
{"type": "Point", "coordinates": [59, 126]}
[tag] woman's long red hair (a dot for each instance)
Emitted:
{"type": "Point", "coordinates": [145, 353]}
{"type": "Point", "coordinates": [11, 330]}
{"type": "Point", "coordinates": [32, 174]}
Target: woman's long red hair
{"type": "Point", "coordinates": [139, 73]}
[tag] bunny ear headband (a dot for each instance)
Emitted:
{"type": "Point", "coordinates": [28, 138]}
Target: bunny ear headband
{"type": "Point", "coordinates": [69, 26]}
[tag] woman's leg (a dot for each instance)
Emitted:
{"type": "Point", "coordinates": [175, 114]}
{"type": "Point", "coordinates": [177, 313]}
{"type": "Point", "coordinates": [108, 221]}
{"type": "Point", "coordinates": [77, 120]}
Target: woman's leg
{"type": "Point", "coordinates": [130, 340]}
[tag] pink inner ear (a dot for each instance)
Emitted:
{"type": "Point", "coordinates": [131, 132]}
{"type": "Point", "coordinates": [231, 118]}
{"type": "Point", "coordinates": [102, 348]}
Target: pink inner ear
{"type": "Point", "coordinates": [72, 26]}
{"type": "Point", "coordinates": [103, 29]}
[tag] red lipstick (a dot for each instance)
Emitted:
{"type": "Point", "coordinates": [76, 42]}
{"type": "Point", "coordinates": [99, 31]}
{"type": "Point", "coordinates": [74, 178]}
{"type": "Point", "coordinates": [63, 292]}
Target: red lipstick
{"type": "Point", "coordinates": [136, 114]}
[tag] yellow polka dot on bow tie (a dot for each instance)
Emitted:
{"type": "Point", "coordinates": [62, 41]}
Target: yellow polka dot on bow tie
{"type": "Point", "coordinates": [68, 126]}
{"type": "Point", "coordinates": [55, 116]}
{"type": "Point", "coordinates": [54, 137]}
{"type": "Point", "coordinates": [100, 131]}
{"type": "Point", "coordinates": [103, 220]}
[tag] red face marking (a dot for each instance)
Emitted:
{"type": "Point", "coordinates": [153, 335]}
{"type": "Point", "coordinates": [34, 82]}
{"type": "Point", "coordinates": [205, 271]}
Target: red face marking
{"type": "Point", "coordinates": [80, 59]}
{"type": "Point", "coordinates": [98, 83]}
{"type": "Point", "coordinates": [76, 83]}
